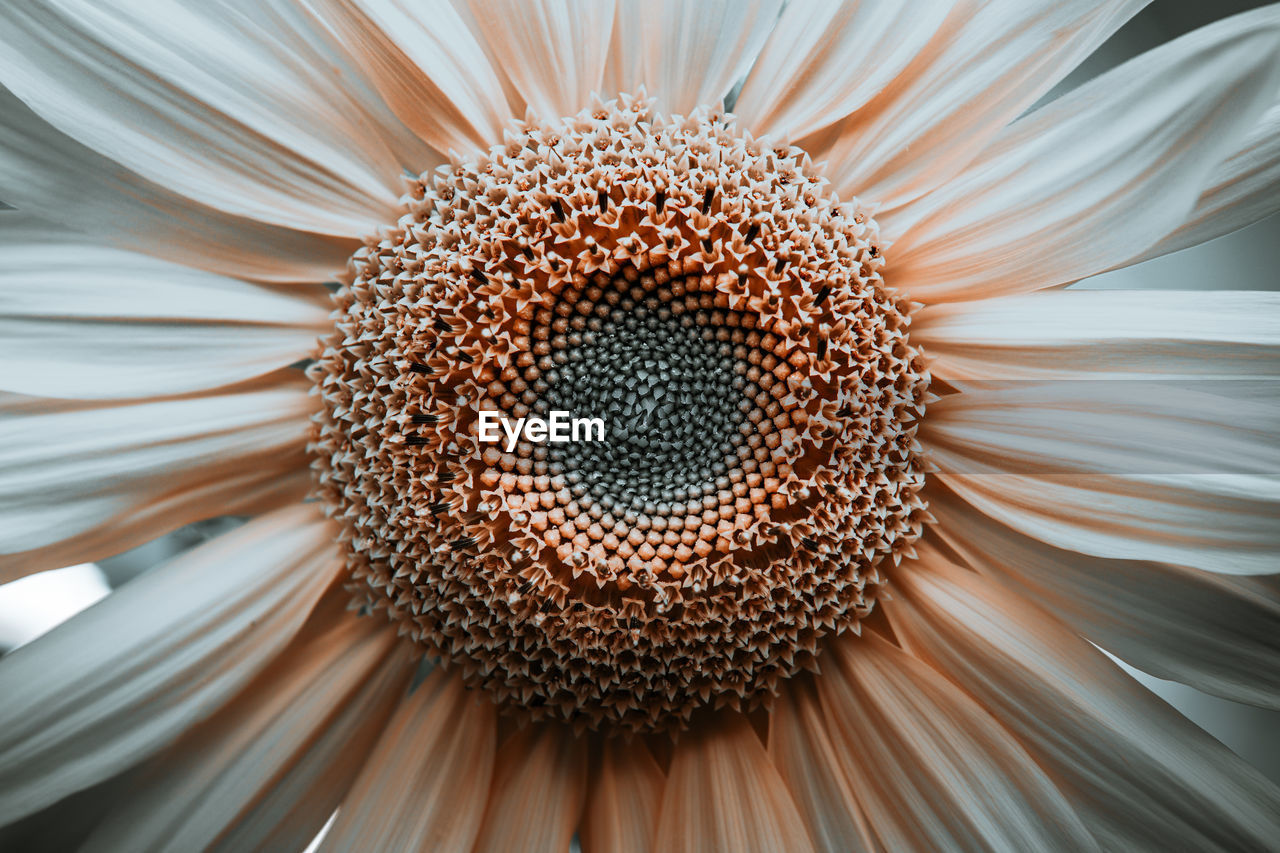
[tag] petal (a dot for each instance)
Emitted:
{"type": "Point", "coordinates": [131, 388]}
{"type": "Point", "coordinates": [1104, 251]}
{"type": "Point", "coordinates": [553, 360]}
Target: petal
{"type": "Point", "coordinates": [686, 53]}
{"type": "Point", "coordinates": [539, 786]}
{"type": "Point", "coordinates": [227, 781]}
{"type": "Point", "coordinates": [932, 769]}
{"type": "Point", "coordinates": [425, 784]}
{"type": "Point", "coordinates": [823, 61]}
{"type": "Point", "coordinates": [1142, 776]}
{"type": "Point", "coordinates": [723, 793]}
{"type": "Point", "coordinates": [1081, 184]}
{"type": "Point", "coordinates": [1218, 633]}
{"type": "Point", "coordinates": [49, 175]}
{"type": "Point", "coordinates": [987, 63]}
{"type": "Point", "coordinates": [1242, 190]}
{"type": "Point", "coordinates": [623, 799]}
{"type": "Point", "coordinates": [802, 750]}
{"type": "Point", "coordinates": [1105, 428]}
{"type": "Point", "coordinates": [81, 481]}
{"type": "Point", "coordinates": [226, 107]}
{"type": "Point", "coordinates": [427, 65]}
{"type": "Point", "coordinates": [1113, 334]}
{"type": "Point", "coordinates": [553, 52]}
{"type": "Point", "coordinates": [125, 677]}
{"type": "Point", "coordinates": [92, 322]}
{"type": "Point", "coordinates": [1216, 522]}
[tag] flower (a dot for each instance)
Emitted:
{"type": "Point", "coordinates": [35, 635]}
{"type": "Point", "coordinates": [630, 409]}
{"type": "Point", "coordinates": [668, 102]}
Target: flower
{"type": "Point", "coordinates": [865, 500]}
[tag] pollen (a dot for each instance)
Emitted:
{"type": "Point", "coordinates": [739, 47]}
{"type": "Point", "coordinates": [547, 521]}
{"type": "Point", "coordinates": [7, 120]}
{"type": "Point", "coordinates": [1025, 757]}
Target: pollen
{"type": "Point", "coordinates": [710, 299]}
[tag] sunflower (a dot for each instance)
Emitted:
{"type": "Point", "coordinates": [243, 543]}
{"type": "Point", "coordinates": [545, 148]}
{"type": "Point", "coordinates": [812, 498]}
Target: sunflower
{"type": "Point", "coordinates": [872, 487]}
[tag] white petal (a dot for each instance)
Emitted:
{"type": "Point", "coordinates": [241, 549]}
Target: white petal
{"type": "Point", "coordinates": [623, 799]}
{"type": "Point", "coordinates": [932, 769]}
{"type": "Point", "coordinates": [1138, 428]}
{"type": "Point", "coordinates": [1142, 776]}
{"type": "Point", "coordinates": [539, 786]}
{"type": "Point", "coordinates": [227, 107]}
{"type": "Point", "coordinates": [988, 62]}
{"type": "Point", "coordinates": [723, 793]}
{"type": "Point", "coordinates": [428, 66]}
{"type": "Point", "coordinates": [1218, 633]}
{"type": "Point", "coordinates": [686, 53]}
{"type": "Point", "coordinates": [94, 322]}
{"type": "Point", "coordinates": [426, 782]}
{"type": "Point", "coordinates": [225, 783]}
{"type": "Point", "coordinates": [46, 174]}
{"type": "Point", "coordinates": [552, 50]}
{"type": "Point", "coordinates": [802, 750]}
{"type": "Point", "coordinates": [1101, 173]}
{"type": "Point", "coordinates": [825, 60]}
{"type": "Point", "coordinates": [80, 481]}
{"type": "Point", "coordinates": [1242, 190]}
{"type": "Point", "coordinates": [1093, 334]}
{"type": "Point", "coordinates": [125, 677]}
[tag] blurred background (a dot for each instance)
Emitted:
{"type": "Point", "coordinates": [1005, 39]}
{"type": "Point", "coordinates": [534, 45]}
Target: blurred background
{"type": "Point", "coordinates": [1246, 260]}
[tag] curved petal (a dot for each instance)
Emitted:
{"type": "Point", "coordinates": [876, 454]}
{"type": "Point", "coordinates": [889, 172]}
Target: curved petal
{"type": "Point", "coordinates": [426, 782]}
{"type": "Point", "coordinates": [80, 481]}
{"type": "Point", "coordinates": [1081, 427]}
{"type": "Point", "coordinates": [47, 174]}
{"type": "Point", "coordinates": [686, 53]}
{"type": "Point", "coordinates": [1111, 334]}
{"type": "Point", "coordinates": [93, 322]}
{"type": "Point", "coordinates": [723, 793]}
{"type": "Point", "coordinates": [987, 63]}
{"type": "Point", "coordinates": [1079, 185]}
{"type": "Point", "coordinates": [802, 750]}
{"type": "Point", "coordinates": [553, 51]}
{"type": "Point", "coordinates": [539, 785]}
{"type": "Point", "coordinates": [227, 783]}
{"type": "Point", "coordinates": [1142, 776]}
{"type": "Point", "coordinates": [125, 677]}
{"type": "Point", "coordinates": [1218, 633]}
{"type": "Point", "coordinates": [933, 770]}
{"type": "Point", "coordinates": [427, 65]}
{"type": "Point", "coordinates": [212, 103]}
{"type": "Point", "coordinates": [623, 799]}
{"type": "Point", "coordinates": [824, 60]}
{"type": "Point", "coordinates": [1242, 190]}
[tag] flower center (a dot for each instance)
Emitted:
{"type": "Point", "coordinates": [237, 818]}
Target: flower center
{"type": "Point", "coordinates": [724, 318]}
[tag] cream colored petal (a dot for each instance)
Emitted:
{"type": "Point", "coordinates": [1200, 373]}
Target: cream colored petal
{"type": "Point", "coordinates": [425, 784]}
{"type": "Point", "coordinates": [49, 175]}
{"type": "Point", "coordinates": [94, 322]}
{"type": "Point", "coordinates": [553, 51]}
{"type": "Point", "coordinates": [686, 53]}
{"type": "Point", "coordinates": [225, 783]}
{"type": "Point", "coordinates": [1218, 633]}
{"type": "Point", "coordinates": [723, 793]}
{"type": "Point", "coordinates": [124, 678]}
{"type": "Point", "coordinates": [932, 768]}
{"type": "Point", "coordinates": [1242, 190]}
{"type": "Point", "coordinates": [539, 786]}
{"type": "Point", "coordinates": [623, 798]}
{"type": "Point", "coordinates": [224, 106]}
{"type": "Point", "coordinates": [802, 750]}
{"type": "Point", "coordinates": [1216, 522]}
{"type": "Point", "coordinates": [987, 63]}
{"type": "Point", "coordinates": [85, 480]}
{"type": "Point", "coordinates": [1141, 775]}
{"type": "Point", "coordinates": [823, 61]}
{"type": "Point", "coordinates": [1088, 180]}
{"type": "Point", "coordinates": [1138, 428]}
{"type": "Point", "coordinates": [428, 66]}
{"type": "Point", "coordinates": [1097, 334]}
